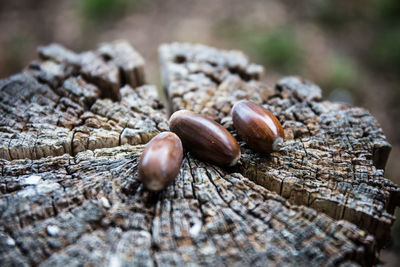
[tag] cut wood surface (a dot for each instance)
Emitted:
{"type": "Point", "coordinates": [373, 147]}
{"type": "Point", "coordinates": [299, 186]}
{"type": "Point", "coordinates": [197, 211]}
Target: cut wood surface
{"type": "Point", "coordinates": [72, 130]}
{"type": "Point", "coordinates": [334, 154]}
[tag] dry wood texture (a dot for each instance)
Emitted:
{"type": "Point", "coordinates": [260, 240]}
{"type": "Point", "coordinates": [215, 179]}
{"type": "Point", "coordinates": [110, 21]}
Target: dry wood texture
{"type": "Point", "coordinates": [333, 156]}
{"type": "Point", "coordinates": [72, 130]}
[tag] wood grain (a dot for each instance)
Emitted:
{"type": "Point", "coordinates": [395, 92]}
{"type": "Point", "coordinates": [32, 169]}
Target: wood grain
{"type": "Point", "coordinates": [72, 132]}
{"type": "Point", "coordinates": [334, 154]}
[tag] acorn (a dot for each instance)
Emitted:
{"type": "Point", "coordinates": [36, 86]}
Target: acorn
{"type": "Point", "coordinates": [204, 138]}
{"type": "Point", "coordinates": [258, 127]}
{"type": "Point", "coordinates": [160, 161]}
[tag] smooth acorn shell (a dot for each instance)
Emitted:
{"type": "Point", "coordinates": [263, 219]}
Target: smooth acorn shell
{"type": "Point", "coordinates": [204, 138]}
{"type": "Point", "coordinates": [258, 127]}
{"type": "Point", "coordinates": [160, 161]}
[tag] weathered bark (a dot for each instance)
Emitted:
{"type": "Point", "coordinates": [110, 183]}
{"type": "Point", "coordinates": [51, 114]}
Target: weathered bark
{"type": "Point", "coordinates": [70, 140]}
{"type": "Point", "coordinates": [52, 109]}
{"type": "Point", "coordinates": [334, 154]}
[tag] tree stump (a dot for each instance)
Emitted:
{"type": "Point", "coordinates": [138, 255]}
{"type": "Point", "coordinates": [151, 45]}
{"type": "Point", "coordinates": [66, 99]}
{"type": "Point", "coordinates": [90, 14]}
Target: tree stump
{"type": "Point", "coordinates": [72, 129]}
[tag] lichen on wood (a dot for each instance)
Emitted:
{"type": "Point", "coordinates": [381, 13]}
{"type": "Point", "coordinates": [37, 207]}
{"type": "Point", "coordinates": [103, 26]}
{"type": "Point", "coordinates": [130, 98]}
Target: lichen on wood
{"type": "Point", "coordinates": [74, 125]}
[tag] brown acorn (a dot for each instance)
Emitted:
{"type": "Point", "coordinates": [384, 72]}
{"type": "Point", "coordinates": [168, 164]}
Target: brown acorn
{"type": "Point", "coordinates": [258, 127]}
{"type": "Point", "coordinates": [205, 138]}
{"type": "Point", "coordinates": [160, 161]}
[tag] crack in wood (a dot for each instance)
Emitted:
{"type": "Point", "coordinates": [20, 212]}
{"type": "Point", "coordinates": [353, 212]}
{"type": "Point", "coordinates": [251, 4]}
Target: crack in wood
{"type": "Point", "coordinates": [100, 214]}
{"type": "Point", "coordinates": [297, 100]}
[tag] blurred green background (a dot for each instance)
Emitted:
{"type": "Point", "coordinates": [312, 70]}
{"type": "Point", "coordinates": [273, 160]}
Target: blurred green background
{"type": "Point", "coordinates": [350, 48]}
